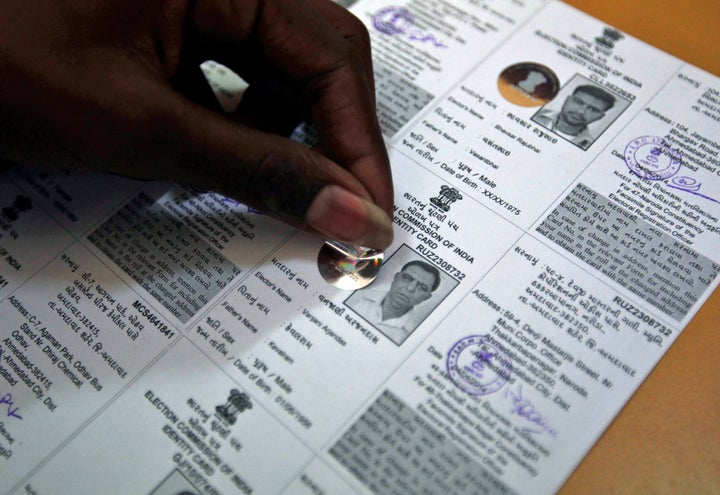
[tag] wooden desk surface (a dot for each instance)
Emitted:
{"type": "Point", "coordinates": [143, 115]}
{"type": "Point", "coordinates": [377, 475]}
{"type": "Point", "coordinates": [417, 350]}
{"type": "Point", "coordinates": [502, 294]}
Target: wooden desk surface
{"type": "Point", "coordinates": [667, 439]}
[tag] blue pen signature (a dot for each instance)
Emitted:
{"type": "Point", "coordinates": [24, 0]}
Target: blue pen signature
{"type": "Point", "coordinates": [417, 35]}
{"type": "Point", "coordinates": [689, 185]}
{"type": "Point", "coordinates": [12, 412]}
{"type": "Point", "coordinates": [527, 410]}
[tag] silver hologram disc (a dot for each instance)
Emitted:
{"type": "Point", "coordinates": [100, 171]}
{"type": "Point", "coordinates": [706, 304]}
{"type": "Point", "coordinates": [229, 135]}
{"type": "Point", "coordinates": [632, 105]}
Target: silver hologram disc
{"type": "Point", "coordinates": [348, 267]}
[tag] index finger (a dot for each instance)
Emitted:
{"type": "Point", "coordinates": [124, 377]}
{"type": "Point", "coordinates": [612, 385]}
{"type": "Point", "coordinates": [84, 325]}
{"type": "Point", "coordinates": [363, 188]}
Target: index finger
{"type": "Point", "coordinates": [304, 46]}
{"type": "Point", "coordinates": [353, 30]}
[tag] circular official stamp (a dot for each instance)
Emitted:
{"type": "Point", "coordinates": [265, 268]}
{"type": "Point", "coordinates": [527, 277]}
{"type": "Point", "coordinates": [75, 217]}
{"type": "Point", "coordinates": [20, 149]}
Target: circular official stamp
{"type": "Point", "coordinates": [392, 20]}
{"type": "Point", "coordinates": [478, 367]}
{"type": "Point", "coordinates": [652, 158]}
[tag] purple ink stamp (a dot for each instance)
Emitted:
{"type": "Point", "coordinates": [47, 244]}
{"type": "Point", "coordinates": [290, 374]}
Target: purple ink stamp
{"type": "Point", "coordinates": [478, 367]}
{"type": "Point", "coordinates": [392, 20]}
{"type": "Point", "coordinates": [651, 158]}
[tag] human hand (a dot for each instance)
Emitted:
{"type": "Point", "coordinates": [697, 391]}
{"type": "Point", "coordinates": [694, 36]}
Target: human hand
{"type": "Point", "coordinates": [101, 85]}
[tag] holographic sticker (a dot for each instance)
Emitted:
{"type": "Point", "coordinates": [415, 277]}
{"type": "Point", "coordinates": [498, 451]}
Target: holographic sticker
{"type": "Point", "coordinates": [348, 267]}
{"type": "Point", "coordinates": [528, 84]}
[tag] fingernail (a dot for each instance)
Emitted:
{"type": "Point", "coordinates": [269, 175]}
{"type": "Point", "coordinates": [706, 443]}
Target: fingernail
{"type": "Point", "coordinates": [343, 216]}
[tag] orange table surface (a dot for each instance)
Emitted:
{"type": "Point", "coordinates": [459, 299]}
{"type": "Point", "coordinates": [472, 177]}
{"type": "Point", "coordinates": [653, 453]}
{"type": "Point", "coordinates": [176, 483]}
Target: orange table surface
{"type": "Point", "coordinates": [666, 440]}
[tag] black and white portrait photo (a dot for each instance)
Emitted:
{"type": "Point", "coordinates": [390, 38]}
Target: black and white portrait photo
{"type": "Point", "coordinates": [581, 111]}
{"type": "Point", "coordinates": [408, 289]}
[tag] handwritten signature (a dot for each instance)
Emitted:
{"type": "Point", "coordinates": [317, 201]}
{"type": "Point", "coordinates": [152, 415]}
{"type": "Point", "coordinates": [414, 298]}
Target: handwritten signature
{"type": "Point", "coordinates": [12, 412]}
{"type": "Point", "coordinates": [527, 410]}
{"type": "Point", "coordinates": [689, 185]}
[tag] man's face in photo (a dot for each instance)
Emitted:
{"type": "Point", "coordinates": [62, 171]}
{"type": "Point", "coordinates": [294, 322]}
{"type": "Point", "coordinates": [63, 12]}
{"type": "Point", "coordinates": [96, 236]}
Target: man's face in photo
{"type": "Point", "coordinates": [581, 109]}
{"type": "Point", "coordinates": [410, 287]}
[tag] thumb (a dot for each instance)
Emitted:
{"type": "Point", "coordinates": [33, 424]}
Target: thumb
{"type": "Point", "coordinates": [282, 178]}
